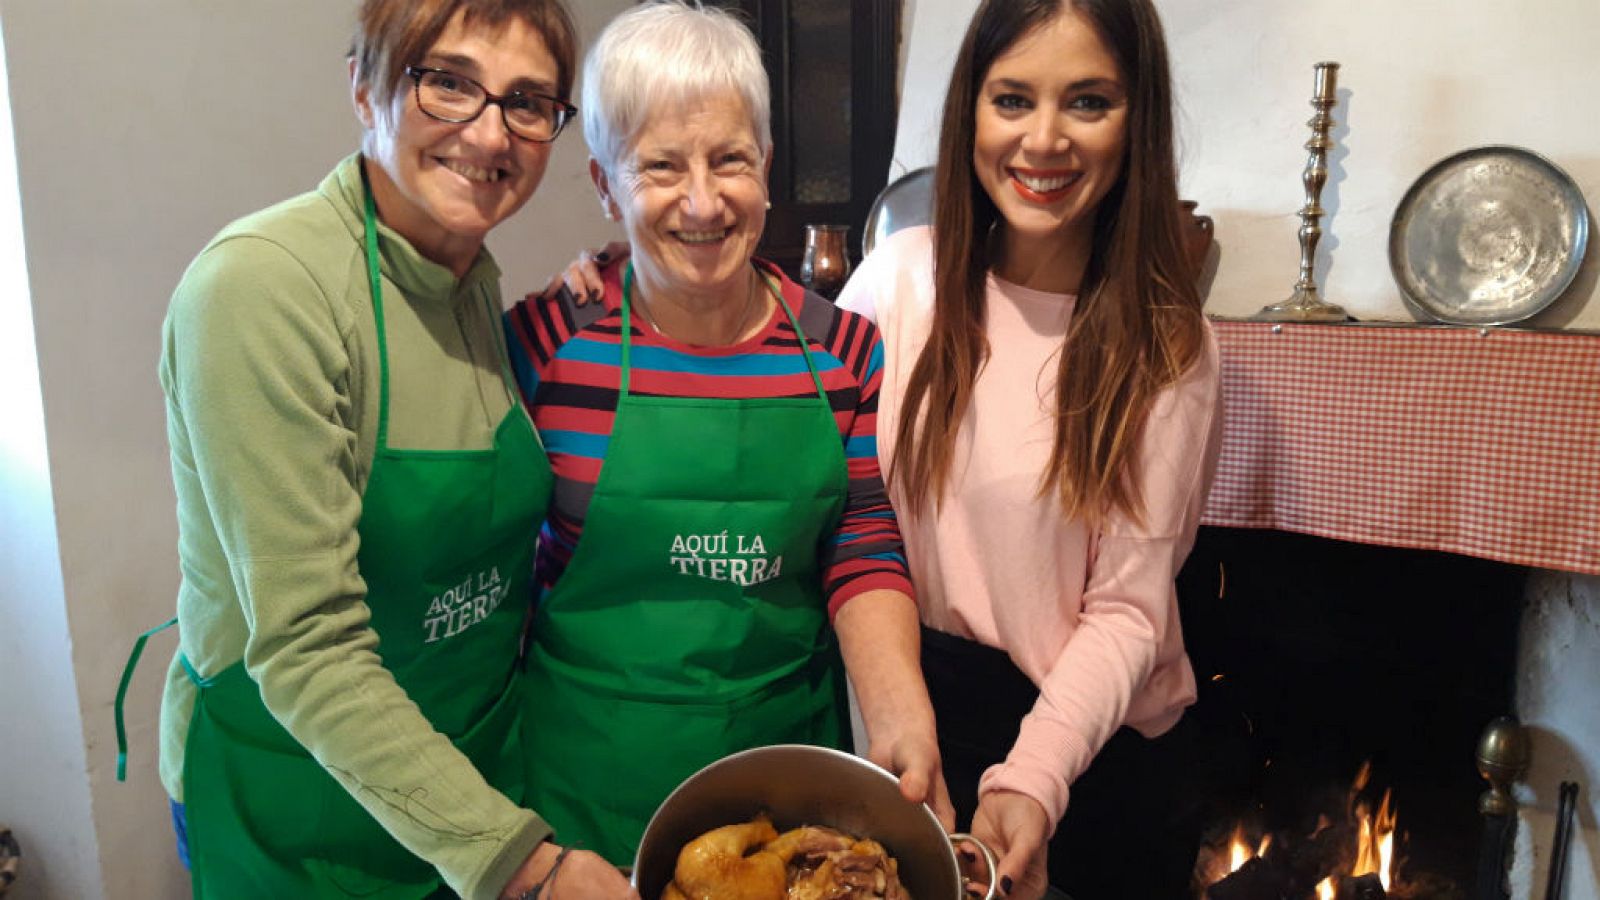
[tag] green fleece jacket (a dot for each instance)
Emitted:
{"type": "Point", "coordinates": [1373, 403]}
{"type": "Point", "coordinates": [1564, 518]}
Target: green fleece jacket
{"type": "Point", "coordinates": [270, 368]}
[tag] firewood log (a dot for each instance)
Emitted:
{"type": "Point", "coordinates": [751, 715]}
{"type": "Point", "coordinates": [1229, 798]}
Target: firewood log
{"type": "Point", "coordinates": [1257, 879]}
{"type": "Point", "coordinates": [1366, 887]}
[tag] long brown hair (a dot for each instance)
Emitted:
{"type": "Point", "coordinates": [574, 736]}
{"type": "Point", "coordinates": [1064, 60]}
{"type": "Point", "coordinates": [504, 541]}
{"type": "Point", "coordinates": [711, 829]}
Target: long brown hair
{"type": "Point", "coordinates": [1137, 324]}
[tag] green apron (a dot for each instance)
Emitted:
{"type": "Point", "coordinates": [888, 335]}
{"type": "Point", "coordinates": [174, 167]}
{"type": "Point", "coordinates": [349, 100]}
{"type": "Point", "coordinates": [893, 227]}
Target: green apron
{"type": "Point", "coordinates": [446, 553]}
{"type": "Point", "coordinates": [690, 622]}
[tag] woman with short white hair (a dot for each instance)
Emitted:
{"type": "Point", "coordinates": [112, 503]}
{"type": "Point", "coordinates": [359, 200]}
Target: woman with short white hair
{"type": "Point", "coordinates": [718, 503]}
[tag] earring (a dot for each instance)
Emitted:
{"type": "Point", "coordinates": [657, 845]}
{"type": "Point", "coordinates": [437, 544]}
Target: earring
{"type": "Point", "coordinates": [769, 204]}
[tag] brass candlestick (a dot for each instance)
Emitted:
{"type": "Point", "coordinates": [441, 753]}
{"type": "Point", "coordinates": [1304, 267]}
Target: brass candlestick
{"type": "Point", "coordinates": [1304, 305]}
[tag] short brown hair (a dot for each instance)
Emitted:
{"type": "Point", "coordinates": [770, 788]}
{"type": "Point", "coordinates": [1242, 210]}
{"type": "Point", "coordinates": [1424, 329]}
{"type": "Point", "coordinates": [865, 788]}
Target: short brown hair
{"type": "Point", "coordinates": [393, 34]}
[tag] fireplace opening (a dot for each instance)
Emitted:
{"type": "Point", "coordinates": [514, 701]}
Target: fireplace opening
{"type": "Point", "coordinates": [1322, 662]}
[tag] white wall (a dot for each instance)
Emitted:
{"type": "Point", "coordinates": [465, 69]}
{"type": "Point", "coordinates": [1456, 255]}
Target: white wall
{"type": "Point", "coordinates": [43, 794]}
{"type": "Point", "coordinates": [142, 128]}
{"type": "Point", "coordinates": [1420, 80]}
{"type": "Point", "coordinates": [1558, 671]}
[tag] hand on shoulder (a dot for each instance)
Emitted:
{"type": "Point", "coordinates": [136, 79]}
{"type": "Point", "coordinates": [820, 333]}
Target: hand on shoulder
{"type": "Point", "coordinates": [582, 276]}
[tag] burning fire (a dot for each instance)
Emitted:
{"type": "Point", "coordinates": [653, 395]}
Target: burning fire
{"type": "Point", "coordinates": [1240, 851]}
{"type": "Point", "coordinates": [1373, 853]}
{"type": "Point", "coordinates": [1375, 846]}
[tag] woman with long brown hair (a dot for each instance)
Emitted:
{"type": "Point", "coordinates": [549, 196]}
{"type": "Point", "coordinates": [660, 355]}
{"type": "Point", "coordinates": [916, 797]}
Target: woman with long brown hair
{"type": "Point", "coordinates": [1054, 392]}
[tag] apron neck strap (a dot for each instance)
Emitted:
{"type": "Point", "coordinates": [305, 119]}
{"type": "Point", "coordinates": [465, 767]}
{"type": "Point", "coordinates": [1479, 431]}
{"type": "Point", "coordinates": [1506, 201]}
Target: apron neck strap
{"type": "Point", "coordinates": [777, 293]}
{"type": "Point", "coordinates": [369, 227]}
{"type": "Point", "coordinates": [496, 316]}
{"type": "Point", "coordinates": [627, 330]}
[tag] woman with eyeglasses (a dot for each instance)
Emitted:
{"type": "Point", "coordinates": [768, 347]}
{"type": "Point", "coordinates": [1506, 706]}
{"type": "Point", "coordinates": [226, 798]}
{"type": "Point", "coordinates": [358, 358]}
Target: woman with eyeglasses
{"type": "Point", "coordinates": [358, 493]}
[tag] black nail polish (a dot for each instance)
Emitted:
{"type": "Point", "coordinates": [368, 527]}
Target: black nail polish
{"type": "Point", "coordinates": [969, 856]}
{"type": "Point", "coordinates": [602, 257]}
{"type": "Point", "coordinates": [1005, 885]}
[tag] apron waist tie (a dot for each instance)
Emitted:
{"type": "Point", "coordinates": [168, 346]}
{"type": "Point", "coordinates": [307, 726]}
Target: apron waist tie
{"type": "Point", "coordinates": [122, 692]}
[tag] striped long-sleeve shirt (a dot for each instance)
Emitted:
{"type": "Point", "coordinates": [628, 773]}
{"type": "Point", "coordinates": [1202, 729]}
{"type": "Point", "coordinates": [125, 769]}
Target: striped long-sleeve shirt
{"type": "Point", "coordinates": [567, 360]}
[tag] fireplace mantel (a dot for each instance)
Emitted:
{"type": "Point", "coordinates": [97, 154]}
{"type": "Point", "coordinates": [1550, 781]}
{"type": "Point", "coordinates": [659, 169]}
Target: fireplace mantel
{"type": "Point", "coordinates": [1482, 442]}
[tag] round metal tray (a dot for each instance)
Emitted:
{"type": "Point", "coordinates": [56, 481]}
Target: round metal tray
{"type": "Point", "coordinates": [1488, 236]}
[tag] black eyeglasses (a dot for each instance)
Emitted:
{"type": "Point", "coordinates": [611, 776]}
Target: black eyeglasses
{"type": "Point", "coordinates": [449, 97]}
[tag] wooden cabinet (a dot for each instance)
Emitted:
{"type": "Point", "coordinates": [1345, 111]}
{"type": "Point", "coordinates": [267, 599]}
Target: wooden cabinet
{"type": "Point", "coordinates": [834, 68]}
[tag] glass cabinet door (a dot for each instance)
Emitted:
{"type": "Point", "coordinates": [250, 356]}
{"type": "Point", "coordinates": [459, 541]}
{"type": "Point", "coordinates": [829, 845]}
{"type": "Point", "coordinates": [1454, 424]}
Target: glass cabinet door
{"type": "Point", "coordinates": [834, 68]}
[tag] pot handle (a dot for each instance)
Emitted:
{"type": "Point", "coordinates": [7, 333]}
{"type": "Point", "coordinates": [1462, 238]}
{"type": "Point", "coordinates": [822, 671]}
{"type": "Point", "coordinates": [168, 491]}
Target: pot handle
{"type": "Point", "coordinates": [988, 858]}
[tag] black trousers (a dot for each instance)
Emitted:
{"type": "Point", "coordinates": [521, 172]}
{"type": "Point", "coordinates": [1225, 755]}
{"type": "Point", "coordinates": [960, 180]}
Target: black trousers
{"type": "Point", "coordinates": [1132, 827]}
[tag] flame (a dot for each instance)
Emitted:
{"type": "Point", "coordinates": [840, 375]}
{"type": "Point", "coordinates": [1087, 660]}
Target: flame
{"type": "Point", "coordinates": [1375, 847]}
{"type": "Point", "coordinates": [1374, 850]}
{"type": "Point", "coordinates": [1360, 784]}
{"type": "Point", "coordinates": [1238, 851]}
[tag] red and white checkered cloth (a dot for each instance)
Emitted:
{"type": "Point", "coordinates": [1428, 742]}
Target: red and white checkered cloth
{"type": "Point", "coordinates": [1440, 438]}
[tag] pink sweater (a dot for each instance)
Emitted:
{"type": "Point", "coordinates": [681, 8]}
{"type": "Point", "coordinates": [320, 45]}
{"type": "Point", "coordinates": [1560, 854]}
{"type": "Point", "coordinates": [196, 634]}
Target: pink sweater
{"type": "Point", "coordinates": [1091, 617]}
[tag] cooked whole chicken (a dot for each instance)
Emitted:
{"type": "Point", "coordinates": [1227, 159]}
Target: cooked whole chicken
{"type": "Point", "coordinates": [751, 861]}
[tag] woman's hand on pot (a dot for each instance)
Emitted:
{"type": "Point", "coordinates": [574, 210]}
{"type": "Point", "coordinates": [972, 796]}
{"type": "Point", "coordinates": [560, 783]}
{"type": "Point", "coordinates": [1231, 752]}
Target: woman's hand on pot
{"type": "Point", "coordinates": [913, 756]}
{"type": "Point", "coordinates": [582, 275]}
{"type": "Point", "coordinates": [878, 635]}
{"type": "Point", "coordinates": [567, 874]}
{"type": "Point", "coordinates": [1015, 827]}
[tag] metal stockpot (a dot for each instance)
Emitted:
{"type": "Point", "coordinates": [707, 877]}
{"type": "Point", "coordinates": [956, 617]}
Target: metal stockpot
{"type": "Point", "coordinates": [803, 785]}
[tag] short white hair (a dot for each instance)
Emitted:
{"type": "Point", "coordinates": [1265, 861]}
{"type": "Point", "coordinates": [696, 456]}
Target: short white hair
{"type": "Point", "coordinates": [668, 54]}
